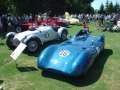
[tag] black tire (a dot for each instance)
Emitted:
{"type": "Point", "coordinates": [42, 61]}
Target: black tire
{"type": "Point", "coordinates": [63, 35]}
{"type": "Point", "coordinates": [9, 42]}
{"type": "Point", "coordinates": [33, 45]}
{"type": "Point", "coordinates": [84, 75]}
{"type": "Point", "coordinates": [18, 29]}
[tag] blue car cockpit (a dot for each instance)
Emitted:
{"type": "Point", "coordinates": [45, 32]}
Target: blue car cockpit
{"type": "Point", "coordinates": [81, 34]}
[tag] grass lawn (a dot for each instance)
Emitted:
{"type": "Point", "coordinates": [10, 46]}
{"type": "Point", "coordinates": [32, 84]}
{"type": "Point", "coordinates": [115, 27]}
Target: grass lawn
{"type": "Point", "coordinates": [103, 75]}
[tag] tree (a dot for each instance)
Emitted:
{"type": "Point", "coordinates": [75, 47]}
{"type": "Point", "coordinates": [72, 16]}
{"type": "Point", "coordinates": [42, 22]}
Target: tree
{"type": "Point", "coordinates": [116, 8]}
{"type": "Point", "coordinates": [78, 6]}
{"type": "Point", "coordinates": [36, 6]}
{"type": "Point", "coordinates": [101, 9]}
{"type": "Point", "coordinates": [89, 9]}
{"type": "Point", "coordinates": [7, 6]}
{"type": "Point", "coordinates": [110, 8]}
{"type": "Point", "coordinates": [10, 6]}
{"type": "Point", "coordinates": [106, 7]}
{"type": "Point", "coordinates": [2, 7]}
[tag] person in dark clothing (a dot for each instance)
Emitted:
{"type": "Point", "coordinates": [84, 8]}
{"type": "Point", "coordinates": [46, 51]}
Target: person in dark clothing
{"type": "Point", "coordinates": [4, 22]}
{"type": "Point", "coordinates": [102, 19]}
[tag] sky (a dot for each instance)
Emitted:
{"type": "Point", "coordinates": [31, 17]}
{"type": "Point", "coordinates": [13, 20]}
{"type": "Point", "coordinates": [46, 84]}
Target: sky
{"type": "Point", "coordinates": [97, 3]}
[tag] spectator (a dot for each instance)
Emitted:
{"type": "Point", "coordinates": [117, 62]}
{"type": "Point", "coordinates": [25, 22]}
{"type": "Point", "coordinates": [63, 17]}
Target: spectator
{"type": "Point", "coordinates": [30, 18]}
{"type": "Point", "coordinates": [86, 26]}
{"type": "Point", "coordinates": [102, 19]}
{"type": "Point", "coordinates": [4, 22]}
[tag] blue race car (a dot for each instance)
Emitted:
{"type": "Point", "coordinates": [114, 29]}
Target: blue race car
{"type": "Point", "coordinates": [74, 56]}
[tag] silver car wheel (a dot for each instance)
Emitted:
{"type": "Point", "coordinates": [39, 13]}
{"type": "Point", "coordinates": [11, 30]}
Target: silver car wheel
{"type": "Point", "coordinates": [64, 35]}
{"type": "Point", "coordinates": [32, 46]}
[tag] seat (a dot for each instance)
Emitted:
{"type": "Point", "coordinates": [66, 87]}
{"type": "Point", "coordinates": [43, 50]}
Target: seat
{"type": "Point", "coordinates": [81, 33]}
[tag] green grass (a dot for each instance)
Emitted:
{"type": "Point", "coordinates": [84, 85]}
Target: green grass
{"type": "Point", "coordinates": [103, 75]}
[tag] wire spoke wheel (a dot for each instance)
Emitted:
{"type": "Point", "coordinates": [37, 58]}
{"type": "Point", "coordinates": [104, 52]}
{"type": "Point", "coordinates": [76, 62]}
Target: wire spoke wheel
{"type": "Point", "coordinates": [32, 46]}
{"type": "Point", "coordinates": [64, 35]}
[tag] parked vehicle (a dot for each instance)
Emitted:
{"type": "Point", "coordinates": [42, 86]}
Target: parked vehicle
{"type": "Point", "coordinates": [20, 27]}
{"type": "Point", "coordinates": [74, 56]}
{"type": "Point", "coordinates": [57, 20]}
{"type": "Point", "coordinates": [35, 37]}
{"type": "Point", "coordinates": [54, 20]}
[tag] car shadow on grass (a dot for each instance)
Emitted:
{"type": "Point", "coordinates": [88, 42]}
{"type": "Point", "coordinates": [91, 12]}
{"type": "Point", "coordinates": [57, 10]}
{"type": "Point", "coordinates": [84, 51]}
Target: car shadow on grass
{"type": "Point", "coordinates": [93, 74]}
{"type": "Point", "coordinates": [1, 43]}
{"type": "Point", "coordinates": [69, 27]}
{"type": "Point", "coordinates": [26, 69]}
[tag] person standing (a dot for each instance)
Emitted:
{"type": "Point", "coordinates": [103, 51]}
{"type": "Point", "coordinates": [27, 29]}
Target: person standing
{"type": "Point", "coordinates": [102, 19]}
{"type": "Point", "coordinates": [31, 18]}
{"type": "Point", "coordinates": [4, 22]}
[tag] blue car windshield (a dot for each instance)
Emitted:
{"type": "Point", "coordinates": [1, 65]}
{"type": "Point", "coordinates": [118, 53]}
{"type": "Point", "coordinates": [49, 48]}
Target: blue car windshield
{"type": "Point", "coordinates": [85, 41]}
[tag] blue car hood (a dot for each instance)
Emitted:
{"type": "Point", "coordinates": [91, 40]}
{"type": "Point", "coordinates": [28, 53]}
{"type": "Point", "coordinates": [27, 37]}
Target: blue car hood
{"type": "Point", "coordinates": [62, 58]}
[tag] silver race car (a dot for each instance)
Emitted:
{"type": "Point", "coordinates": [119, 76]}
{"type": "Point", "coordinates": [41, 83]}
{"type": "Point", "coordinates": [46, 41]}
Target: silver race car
{"type": "Point", "coordinates": [36, 37]}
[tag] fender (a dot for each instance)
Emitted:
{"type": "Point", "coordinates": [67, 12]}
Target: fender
{"type": "Point", "coordinates": [60, 30]}
{"type": "Point", "coordinates": [46, 55]}
{"type": "Point", "coordinates": [29, 37]}
{"type": "Point", "coordinates": [10, 33]}
{"type": "Point", "coordinates": [82, 62]}
{"type": "Point", "coordinates": [101, 38]}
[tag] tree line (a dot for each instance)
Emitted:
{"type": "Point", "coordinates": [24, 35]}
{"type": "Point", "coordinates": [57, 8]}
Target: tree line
{"type": "Point", "coordinates": [17, 7]}
{"type": "Point", "coordinates": [109, 8]}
